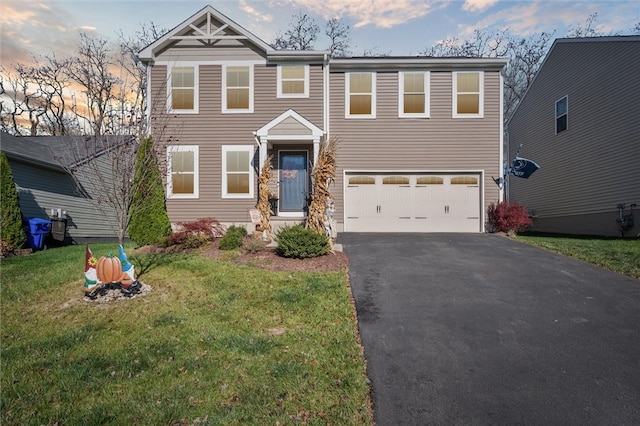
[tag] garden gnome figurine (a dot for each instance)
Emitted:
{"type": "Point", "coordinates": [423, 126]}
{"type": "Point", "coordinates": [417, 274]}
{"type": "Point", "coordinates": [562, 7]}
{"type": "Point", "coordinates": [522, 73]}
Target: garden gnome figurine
{"type": "Point", "coordinates": [127, 267]}
{"type": "Point", "coordinates": [90, 276]}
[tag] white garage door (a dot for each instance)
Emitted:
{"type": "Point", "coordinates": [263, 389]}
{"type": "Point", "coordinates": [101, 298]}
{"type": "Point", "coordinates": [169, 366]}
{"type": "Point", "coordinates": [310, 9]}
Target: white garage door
{"type": "Point", "coordinates": [412, 202]}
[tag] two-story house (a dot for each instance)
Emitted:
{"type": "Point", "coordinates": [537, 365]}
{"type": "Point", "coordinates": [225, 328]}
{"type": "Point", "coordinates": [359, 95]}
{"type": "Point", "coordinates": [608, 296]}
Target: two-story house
{"type": "Point", "coordinates": [580, 120]}
{"type": "Point", "coordinates": [420, 137]}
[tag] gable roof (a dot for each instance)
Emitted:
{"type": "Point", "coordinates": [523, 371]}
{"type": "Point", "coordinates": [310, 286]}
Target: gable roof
{"type": "Point", "coordinates": [199, 27]}
{"type": "Point", "coordinates": [289, 117]}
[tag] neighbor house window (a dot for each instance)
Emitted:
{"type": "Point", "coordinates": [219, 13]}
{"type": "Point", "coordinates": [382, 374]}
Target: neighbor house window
{"type": "Point", "coordinates": [468, 94]}
{"type": "Point", "coordinates": [413, 94]}
{"type": "Point", "coordinates": [360, 99]}
{"type": "Point", "coordinates": [237, 171]}
{"type": "Point", "coordinates": [182, 171]}
{"type": "Point", "coordinates": [183, 93]}
{"type": "Point", "coordinates": [293, 81]}
{"type": "Point", "coordinates": [237, 88]}
{"type": "Point", "coordinates": [562, 114]}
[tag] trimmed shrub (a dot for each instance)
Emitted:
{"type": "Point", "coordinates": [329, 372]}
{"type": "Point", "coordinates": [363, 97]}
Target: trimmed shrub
{"type": "Point", "coordinates": [11, 232]}
{"type": "Point", "coordinates": [193, 234]}
{"type": "Point", "coordinates": [509, 218]}
{"type": "Point", "coordinates": [148, 219]}
{"type": "Point", "coordinates": [300, 242]}
{"type": "Point", "coordinates": [233, 238]}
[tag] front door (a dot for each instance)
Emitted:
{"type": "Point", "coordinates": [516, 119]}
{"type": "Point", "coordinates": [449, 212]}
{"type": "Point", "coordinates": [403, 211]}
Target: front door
{"type": "Point", "coordinates": [294, 178]}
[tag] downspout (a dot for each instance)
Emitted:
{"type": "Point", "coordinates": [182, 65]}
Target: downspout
{"type": "Point", "coordinates": [325, 89]}
{"type": "Point", "coordinates": [503, 129]}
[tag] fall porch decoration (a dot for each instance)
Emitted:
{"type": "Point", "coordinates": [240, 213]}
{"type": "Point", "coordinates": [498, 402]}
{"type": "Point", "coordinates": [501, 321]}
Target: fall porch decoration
{"type": "Point", "coordinates": [264, 193]}
{"type": "Point", "coordinates": [320, 215]}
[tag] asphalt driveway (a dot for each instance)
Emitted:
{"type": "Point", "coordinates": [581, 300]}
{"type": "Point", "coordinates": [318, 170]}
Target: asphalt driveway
{"type": "Point", "coordinates": [480, 329]}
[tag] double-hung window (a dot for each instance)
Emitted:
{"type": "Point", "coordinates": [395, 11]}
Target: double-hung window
{"type": "Point", "coordinates": [562, 115]}
{"type": "Point", "coordinates": [360, 95]}
{"type": "Point", "coordinates": [183, 89]}
{"type": "Point", "coordinates": [293, 81]}
{"type": "Point", "coordinates": [237, 88]}
{"type": "Point", "coordinates": [182, 171]}
{"type": "Point", "coordinates": [237, 171]}
{"type": "Point", "coordinates": [468, 94]}
{"type": "Point", "coordinates": [413, 94]}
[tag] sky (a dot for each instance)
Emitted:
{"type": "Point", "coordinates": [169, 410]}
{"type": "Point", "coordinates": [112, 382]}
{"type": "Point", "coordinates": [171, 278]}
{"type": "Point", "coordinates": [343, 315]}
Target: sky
{"type": "Point", "coordinates": [394, 27]}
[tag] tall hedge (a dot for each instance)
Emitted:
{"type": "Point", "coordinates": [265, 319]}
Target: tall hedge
{"type": "Point", "coordinates": [148, 219]}
{"type": "Point", "coordinates": [11, 229]}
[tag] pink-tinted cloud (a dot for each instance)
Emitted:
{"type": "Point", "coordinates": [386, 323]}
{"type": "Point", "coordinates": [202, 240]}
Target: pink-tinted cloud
{"type": "Point", "coordinates": [379, 13]}
{"type": "Point", "coordinates": [477, 5]}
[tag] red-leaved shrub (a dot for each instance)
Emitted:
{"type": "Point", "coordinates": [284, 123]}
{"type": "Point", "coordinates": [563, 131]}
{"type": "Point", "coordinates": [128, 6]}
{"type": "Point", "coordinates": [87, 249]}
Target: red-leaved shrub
{"type": "Point", "coordinates": [509, 218]}
{"type": "Point", "coordinates": [195, 233]}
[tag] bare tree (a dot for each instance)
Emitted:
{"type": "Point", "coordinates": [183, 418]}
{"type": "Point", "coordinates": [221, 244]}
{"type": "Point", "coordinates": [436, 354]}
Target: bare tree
{"type": "Point", "coordinates": [338, 33]}
{"type": "Point", "coordinates": [133, 102]}
{"type": "Point", "coordinates": [301, 34]}
{"type": "Point", "coordinates": [588, 29]}
{"type": "Point", "coordinates": [91, 69]}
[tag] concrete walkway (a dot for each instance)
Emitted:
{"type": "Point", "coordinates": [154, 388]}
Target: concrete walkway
{"type": "Point", "coordinates": [479, 329]}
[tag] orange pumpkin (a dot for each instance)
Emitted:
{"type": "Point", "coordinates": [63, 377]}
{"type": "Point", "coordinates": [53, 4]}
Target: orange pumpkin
{"type": "Point", "coordinates": [109, 269]}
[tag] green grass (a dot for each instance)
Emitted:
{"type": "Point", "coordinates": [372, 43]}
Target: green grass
{"type": "Point", "coordinates": [213, 343]}
{"type": "Point", "coordinates": [617, 255]}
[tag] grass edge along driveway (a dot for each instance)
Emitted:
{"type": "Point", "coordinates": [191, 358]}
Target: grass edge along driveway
{"type": "Point", "coordinates": [213, 343]}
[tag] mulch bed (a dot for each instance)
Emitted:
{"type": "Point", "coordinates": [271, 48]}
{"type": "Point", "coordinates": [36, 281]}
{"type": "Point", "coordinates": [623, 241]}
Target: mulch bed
{"type": "Point", "coordinates": [267, 259]}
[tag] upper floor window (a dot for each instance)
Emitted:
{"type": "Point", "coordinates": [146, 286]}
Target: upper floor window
{"type": "Point", "coordinates": [237, 88]}
{"type": "Point", "coordinates": [183, 93]}
{"type": "Point", "coordinates": [413, 94]}
{"type": "Point", "coordinates": [182, 171]}
{"type": "Point", "coordinates": [293, 81]}
{"type": "Point", "coordinates": [468, 94]}
{"type": "Point", "coordinates": [562, 115]}
{"type": "Point", "coordinates": [360, 96]}
{"type": "Point", "coordinates": [237, 171]}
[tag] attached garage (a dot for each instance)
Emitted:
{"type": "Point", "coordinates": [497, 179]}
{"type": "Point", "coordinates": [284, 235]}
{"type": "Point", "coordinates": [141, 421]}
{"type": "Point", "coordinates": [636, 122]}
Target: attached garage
{"type": "Point", "coordinates": [413, 202]}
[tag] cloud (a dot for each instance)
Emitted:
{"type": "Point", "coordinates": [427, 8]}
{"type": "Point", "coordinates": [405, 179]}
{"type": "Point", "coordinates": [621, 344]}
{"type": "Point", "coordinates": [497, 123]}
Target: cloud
{"type": "Point", "coordinates": [33, 28]}
{"type": "Point", "coordinates": [477, 5]}
{"type": "Point", "coordinates": [254, 13]}
{"type": "Point", "coordinates": [380, 13]}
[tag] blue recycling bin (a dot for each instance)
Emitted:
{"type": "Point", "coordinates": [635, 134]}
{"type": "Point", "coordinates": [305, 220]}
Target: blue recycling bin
{"type": "Point", "coordinates": [36, 230]}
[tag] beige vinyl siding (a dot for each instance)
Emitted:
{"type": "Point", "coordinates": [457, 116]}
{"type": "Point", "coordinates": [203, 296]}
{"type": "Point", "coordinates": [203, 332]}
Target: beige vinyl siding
{"type": "Point", "coordinates": [41, 189]}
{"type": "Point", "coordinates": [438, 143]}
{"type": "Point", "coordinates": [210, 129]}
{"type": "Point", "coordinates": [593, 165]}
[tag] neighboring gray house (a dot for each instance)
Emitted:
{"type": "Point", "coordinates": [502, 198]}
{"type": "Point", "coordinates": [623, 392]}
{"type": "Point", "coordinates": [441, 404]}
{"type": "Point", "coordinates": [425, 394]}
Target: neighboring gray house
{"type": "Point", "coordinates": [580, 121]}
{"type": "Point", "coordinates": [421, 137]}
{"type": "Point", "coordinates": [44, 186]}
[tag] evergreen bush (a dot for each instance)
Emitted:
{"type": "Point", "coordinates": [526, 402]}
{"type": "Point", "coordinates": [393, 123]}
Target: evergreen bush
{"type": "Point", "coordinates": [11, 230]}
{"type": "Point", "coordinates": [233, 238]}
{"type": "Point", "coordinates": [300, 242]}
{"type": "Point", "coordinates": [148, 219]}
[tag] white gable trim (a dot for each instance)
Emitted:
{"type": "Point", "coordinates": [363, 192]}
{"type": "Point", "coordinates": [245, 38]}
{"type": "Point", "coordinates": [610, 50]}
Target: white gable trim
{"type": "Point", "coordinates": [209, 34]}
{"type": "Point", "coordinates": [263, 132]}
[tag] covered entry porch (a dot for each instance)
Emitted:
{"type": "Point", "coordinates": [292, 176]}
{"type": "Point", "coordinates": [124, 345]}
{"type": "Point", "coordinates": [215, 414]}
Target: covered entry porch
{"type": "Point", "coordinates": [293, 143]}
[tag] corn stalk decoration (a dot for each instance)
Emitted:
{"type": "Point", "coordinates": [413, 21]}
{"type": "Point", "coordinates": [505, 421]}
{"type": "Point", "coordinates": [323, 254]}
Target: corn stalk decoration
{"type": "Point", "coordinates": [320, 215]}
{"type": "Point", "coordinates": [264, 193]}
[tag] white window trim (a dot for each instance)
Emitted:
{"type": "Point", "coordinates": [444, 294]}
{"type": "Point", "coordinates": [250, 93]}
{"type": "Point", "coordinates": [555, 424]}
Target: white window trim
{"type": "Point", "coordinates": [226, 110]}
{"type": "Point", "coordinates": [196, 171]}
{"type": "Point", "coordinates": [454, 112]}
{"type": "Point", "coordinates": [196, 90]}
{"type": "Point", "coordinates": [347, 94]}
{"type": "Point", "coordinates": [401, 93]}
{"type": "Point", "coordinates": [293, 95]}
{"type": "Point", "coordinates": [230, 148]}
{"type": "Point", "coordinates": [555, 112]}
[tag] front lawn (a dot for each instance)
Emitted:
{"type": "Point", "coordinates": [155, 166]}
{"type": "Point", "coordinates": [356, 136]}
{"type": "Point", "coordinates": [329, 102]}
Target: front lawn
{"type": "Point", "coordinates": [618, 255]}
{"type": "Point", "coordinates": [213, 343]}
